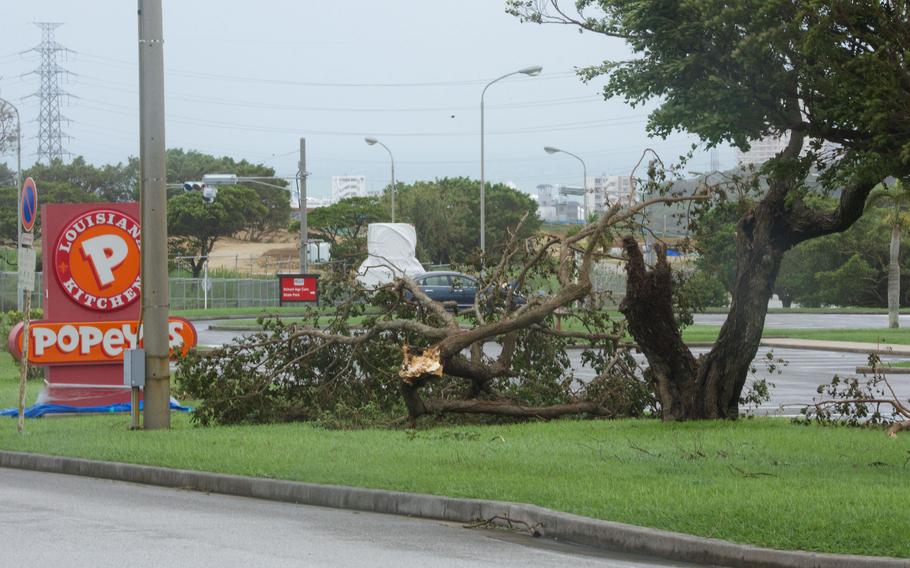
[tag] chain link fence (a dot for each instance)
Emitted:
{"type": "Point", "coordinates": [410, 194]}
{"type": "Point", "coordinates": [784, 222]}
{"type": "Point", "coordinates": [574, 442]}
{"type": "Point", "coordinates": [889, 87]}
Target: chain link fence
{"type": "Point", "coordinates": [185, 293]}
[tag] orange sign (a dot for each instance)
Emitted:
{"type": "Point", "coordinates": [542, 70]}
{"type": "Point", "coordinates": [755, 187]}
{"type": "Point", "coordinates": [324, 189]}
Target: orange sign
{"type": "Point", "coordinates": [97, 260]}
{"type": "Point", "coordinates": [96, 342]}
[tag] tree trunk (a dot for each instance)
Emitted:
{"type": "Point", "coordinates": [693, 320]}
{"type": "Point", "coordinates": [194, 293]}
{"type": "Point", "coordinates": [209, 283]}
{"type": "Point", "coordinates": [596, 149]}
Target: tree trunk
{"type": "Point", "coordinates": [894, 277]}
{"type": "Point", "coordinates": [710, 386]}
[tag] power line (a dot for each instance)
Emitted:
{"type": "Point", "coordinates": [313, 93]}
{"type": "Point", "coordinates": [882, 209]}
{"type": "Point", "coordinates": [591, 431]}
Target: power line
{"type": "Point", "coordinates": [206, 123]}
{"type": "Point", "coordinates": [97, 81]}
{"type": "Point", "coordinates": [291, 82]}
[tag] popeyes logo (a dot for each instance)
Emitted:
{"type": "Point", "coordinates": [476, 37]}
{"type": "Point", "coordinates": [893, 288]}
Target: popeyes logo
{"type": "Point", "coordinates": [53, 343]}
{"type": "Point", "coordinates": [97, 260]}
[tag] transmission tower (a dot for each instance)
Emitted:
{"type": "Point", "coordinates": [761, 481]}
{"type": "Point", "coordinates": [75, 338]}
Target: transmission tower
{"type": "Point", "coordinates": [50, 133]}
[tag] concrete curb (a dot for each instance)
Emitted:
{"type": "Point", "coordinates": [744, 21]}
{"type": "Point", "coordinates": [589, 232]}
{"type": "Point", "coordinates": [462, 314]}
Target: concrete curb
{"type": "Point", "coordinates": [837, 346]}
{"type": "Point", "coordinates": [551, 524]}
{"type": "Point", "coordinates": [884, 370]}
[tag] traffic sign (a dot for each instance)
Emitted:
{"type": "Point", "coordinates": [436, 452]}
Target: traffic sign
{"type": "Point", "coordinates": [29, 201]}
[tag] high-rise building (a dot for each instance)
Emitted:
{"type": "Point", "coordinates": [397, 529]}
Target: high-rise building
{"type": "Point", "coordinates": [761, 150]}
{"type": "Point", "coordinates": [603, 191]}
{"type": "Point", "coordinates": [348, 186]}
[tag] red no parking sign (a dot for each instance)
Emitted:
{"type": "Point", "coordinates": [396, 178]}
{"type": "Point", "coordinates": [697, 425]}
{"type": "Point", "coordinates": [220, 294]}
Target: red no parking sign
{"type": "Point", "coordinates": [29, 201]}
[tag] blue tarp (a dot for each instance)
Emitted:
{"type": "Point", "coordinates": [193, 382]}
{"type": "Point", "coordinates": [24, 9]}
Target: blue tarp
{"type": "Point", "coordinates": [39, 410]}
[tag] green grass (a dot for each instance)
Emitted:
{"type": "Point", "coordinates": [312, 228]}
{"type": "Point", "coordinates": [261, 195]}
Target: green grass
{"type": "Point", "coordinates": [840, 310]}
{"type": "Point", "coordinates": [764, 481]}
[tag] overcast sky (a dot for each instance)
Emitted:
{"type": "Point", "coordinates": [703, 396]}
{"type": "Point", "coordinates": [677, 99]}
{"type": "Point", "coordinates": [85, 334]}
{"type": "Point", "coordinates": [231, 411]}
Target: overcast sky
{"type": "Point", "coordinates": [248, 79]}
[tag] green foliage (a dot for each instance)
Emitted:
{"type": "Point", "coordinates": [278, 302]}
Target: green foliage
{"type": "Point", "coordinates": [446, 215]}
{"type": "Point", "coordinates": [867, 401]}
{"type": "Point", "coordinates": [704, 290]}
{"type": "Point", "coordinates": [344, 225]}
{"type": "Point", "coordinates": [8, 128]}
{"type": "Point", "coordinates": [838, 63]}
{"type": "Point", "coordinates": [78, 181]}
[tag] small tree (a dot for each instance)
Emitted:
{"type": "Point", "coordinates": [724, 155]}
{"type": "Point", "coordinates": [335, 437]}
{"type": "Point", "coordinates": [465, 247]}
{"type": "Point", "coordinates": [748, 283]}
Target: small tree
{"type": "Point", "coordinates": [896, 197]}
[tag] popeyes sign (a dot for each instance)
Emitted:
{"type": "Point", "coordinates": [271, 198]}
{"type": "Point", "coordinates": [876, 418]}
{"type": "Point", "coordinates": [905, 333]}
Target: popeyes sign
{"type": "Point", "coordinates": [97, 260]}
{"type": "Point", "coordinates": [102, 342]}
{"type": "Point", "coordinates": [91, 306]}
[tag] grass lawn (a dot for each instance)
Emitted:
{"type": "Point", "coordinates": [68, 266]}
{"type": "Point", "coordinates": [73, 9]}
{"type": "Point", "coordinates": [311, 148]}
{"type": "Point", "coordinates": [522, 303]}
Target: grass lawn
{"type": "Point", "coordinates": [761, 481]}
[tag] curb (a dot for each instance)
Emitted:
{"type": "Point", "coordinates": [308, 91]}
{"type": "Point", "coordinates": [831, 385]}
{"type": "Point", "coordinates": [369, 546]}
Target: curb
{"type": "Point", "coordinates": [884, 370]}
{"type": "Point", "coordinates": [551, 524]}
{"type": "Point", "coordinates": [836, 346]}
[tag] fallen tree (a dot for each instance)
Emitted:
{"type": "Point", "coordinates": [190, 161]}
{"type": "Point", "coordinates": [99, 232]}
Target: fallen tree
{"type": "Point", "coordinates": [434, 359]}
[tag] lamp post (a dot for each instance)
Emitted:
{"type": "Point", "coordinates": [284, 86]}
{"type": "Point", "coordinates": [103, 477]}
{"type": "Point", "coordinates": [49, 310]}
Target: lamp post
{"type": "Point", "coordinates": [371, 141]}
{"type": "Point", "coordinates": [18, 190]}
{"type": "Point", "coordinates": [531, 72]}
{"type": "Point", "coordinates": [584, 185]}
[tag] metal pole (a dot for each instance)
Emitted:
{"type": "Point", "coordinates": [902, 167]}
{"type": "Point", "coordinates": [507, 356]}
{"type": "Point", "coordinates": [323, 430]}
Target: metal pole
{"type": "Point", "coordinates": [23, 376]}
{"type": "Point", "coordinates": [301, 197]}
{"type": "Point", "coordinates": [394, 189]}
{"type": "Point", "coordinates": [154, 218]}
{"type": "Point", "coordinates": [205, 284]}
{"type": "Point", "coordinates": [483, 190]}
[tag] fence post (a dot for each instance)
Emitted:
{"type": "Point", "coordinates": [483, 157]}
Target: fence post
{"type": "Point", "coordinates": [205, 284]}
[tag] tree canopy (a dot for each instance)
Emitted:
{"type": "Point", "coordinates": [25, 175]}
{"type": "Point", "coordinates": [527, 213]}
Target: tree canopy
{"type": "Point", "coordinates": [446, 215]}
{"type": "Point", "coordinates": [194, 225]}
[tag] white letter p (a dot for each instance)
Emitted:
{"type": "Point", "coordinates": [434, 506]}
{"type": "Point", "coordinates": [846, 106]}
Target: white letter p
{"type": "Point", "coordinates": [105, 253]}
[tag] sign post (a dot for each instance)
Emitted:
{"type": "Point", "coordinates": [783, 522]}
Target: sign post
{"type": "Point", "coordinates": [28, 212]}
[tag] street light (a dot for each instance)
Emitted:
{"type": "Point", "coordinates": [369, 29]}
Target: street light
{"type": "Point", "coordinates": [18, 190]}
{"type": "Point", "coordinates": [584, 185]}
{"type": "Point", "coordinates": [531, 72]}
{"type": "Point", "coordinates": [371, 141]}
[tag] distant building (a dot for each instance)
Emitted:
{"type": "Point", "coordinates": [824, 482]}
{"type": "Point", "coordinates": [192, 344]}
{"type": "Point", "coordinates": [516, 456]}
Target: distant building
{"type": "Point", "coordinates": [762, 150]}
{"type": "Point", "coordinates": [603, 191]}
{"type": "Point", "coordinates": [348, 186]}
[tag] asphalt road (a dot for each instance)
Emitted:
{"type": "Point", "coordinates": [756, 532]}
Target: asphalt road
{"type": "Point", "coordinates": [50, 520]}
{"type": "Point", "coordinates": [796, 384]}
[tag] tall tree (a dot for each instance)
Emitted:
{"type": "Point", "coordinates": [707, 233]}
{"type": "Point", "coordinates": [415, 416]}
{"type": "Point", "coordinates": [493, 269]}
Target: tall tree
{"type": "Point", "coordinates": [896, 197]}
{"type": "Point", "coordinates": [445, 213]}
{"type": "Point", "coordinates": [195, 225]}
{"type": "Point", "coordinates": [191, 165]}
{"type": "Point", "coordinates": [7, 128]}
{"type": "Point", "coordinates": [117, 182]}
{"type": "Point", "coordinates": [344, 226]}
{"type": "Point", "coordinates": [822, 71]}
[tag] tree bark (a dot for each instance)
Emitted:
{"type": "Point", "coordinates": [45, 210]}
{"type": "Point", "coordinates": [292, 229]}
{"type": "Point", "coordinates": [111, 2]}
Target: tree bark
{"type": "Point", "coordinates": [894, 277]}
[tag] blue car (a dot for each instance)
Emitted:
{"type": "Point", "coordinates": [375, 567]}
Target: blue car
{"type": "Point", "coordinates": [449, 287]}
{"type": "Point", "coordinates": [453, 287]}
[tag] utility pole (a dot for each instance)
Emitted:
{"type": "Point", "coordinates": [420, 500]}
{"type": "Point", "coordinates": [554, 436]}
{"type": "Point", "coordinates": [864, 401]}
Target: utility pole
{"type": "Point", "coordinates": [153, 189]}
{"type": "Point", "coordinates": [301, 198]}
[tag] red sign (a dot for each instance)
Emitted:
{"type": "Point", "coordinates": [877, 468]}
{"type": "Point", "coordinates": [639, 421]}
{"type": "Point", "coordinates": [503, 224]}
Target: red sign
{"type": "Point", "coordinates": [298, 288]}
{"type": "Point", "coordinates": [96, 259]}
{"type": "Point", "coordinates": [29, 204]}
{"type": "Point", "coordinates": [97, 342]}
